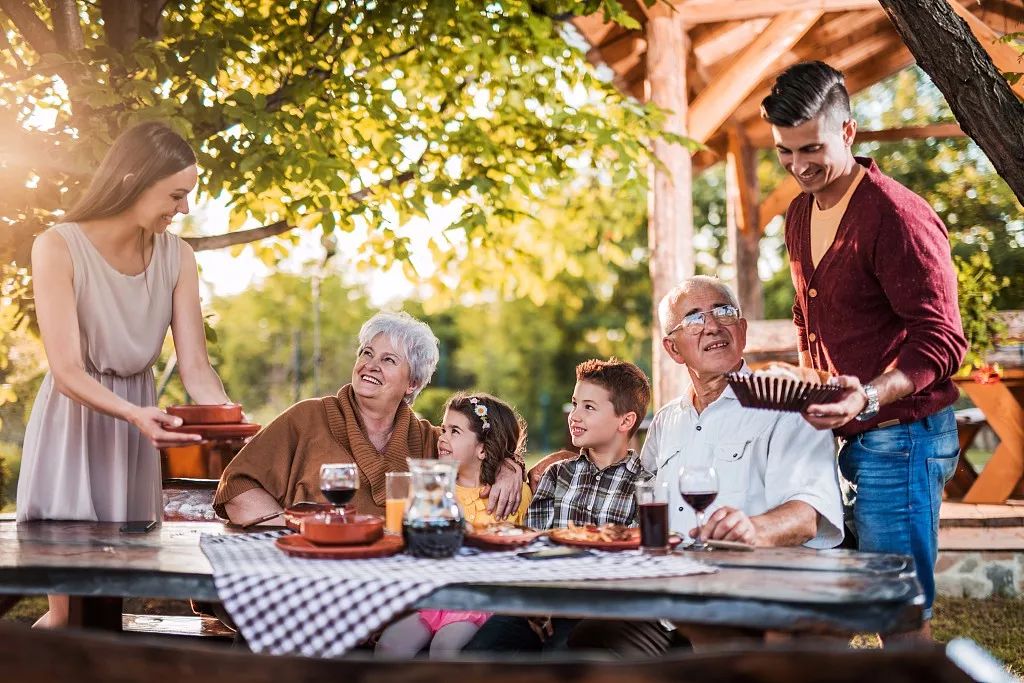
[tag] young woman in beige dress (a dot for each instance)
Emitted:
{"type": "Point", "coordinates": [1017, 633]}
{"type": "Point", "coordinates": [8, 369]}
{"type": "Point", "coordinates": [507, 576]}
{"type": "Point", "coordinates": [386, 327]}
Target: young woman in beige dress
{"type": "Point", "coordinates": [108, 281]}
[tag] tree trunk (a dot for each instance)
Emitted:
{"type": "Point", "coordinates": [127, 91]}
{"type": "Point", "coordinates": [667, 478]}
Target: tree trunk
{"type": "Point", "coordinates": [981, 99]}
{"type": "Point", "coordinates": [121, 20]}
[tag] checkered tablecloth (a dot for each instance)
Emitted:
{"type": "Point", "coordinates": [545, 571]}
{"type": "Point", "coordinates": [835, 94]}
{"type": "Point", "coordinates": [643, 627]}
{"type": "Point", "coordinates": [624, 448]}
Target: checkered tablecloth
{"type": "Point", "coordinates": [323, 608]}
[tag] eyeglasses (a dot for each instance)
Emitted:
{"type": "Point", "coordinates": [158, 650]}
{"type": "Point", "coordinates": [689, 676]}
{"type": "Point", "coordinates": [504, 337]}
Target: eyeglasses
{"type": "Point", "coordinates": [695, 322]}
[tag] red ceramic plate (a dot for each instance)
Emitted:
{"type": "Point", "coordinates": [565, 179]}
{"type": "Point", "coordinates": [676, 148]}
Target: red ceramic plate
{"type": "Point", "coordinates": [341, 529]}
{"type": "Point", "coordinates": [294, 514]}
{"type": "Point", "coordinates": [562, 536]}
{"type": "Point", "coordinates": [240, 430]}
{"type": "Point", "coordinates": [503, 541]}
{"type": "Point", "coordinates": [228, 413]}
{"type": "Point", "coordinates": [297, 546]}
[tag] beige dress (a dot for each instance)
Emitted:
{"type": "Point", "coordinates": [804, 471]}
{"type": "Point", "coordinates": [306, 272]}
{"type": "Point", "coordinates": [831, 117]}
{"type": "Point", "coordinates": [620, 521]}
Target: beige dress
{"type": "Point", "coordinates": [80, 464]}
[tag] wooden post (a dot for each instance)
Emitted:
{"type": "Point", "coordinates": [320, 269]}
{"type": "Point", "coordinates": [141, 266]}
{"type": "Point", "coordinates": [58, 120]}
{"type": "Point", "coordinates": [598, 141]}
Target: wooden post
{"type": "Point", "coordinates": [743, 223]}
{"type": "Point", "coordinates": [670, 212]}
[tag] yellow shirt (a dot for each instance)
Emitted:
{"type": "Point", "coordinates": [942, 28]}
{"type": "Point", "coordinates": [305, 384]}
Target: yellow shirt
{"type": "Point", "coordinates": [825, 222]}
{"type": "Point", "coordinates": [475, 508]}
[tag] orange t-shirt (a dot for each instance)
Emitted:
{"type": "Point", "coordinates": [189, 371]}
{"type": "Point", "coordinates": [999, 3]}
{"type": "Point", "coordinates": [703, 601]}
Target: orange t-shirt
{"type": "Point", "coordinates": [825, 222]}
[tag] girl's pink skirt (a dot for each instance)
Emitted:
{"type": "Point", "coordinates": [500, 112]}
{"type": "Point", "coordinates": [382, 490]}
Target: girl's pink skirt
{"type": "Point", "coordinates": [436, 619]}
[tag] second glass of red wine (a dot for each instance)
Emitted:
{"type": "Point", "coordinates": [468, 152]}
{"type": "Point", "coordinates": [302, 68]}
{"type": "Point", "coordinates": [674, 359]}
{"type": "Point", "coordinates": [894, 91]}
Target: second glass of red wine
{"type": "Point", "coordinates": [698, 485]}
{"type": "Point", "coordinates": [652, 509]}
{"type": "Point", "coordinates": [339, 483]}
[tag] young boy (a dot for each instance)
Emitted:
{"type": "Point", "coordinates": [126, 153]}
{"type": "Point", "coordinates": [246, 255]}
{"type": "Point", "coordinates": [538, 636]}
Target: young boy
{"type": "Point", "coordinates": [596, 487]}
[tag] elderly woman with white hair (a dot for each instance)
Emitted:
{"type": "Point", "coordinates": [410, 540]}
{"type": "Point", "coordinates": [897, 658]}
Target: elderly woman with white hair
{"type": "Point", "coordinates": [369, 422]}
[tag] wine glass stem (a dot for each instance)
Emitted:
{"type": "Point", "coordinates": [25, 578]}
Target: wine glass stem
{"type": "Point", "coordinates": [700, 529]}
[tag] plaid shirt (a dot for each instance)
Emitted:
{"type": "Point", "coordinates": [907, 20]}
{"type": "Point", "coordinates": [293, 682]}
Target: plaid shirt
{"type": "Point", "coordinates": [577, 491]}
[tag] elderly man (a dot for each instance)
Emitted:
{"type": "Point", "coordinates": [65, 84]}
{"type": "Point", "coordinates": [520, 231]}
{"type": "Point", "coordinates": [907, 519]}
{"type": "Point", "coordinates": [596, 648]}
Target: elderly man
{"type": "Point", "coordinates": [778, 482]}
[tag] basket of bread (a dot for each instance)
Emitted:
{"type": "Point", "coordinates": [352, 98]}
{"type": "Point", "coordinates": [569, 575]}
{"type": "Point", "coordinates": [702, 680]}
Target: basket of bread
{"type": "Point", "coordinates": [784, 387]}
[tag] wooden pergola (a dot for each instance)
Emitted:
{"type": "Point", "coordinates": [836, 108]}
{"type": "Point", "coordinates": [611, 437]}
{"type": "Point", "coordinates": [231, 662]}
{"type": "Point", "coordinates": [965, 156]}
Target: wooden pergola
{"type": "Point", "coordinates": [710, 63]}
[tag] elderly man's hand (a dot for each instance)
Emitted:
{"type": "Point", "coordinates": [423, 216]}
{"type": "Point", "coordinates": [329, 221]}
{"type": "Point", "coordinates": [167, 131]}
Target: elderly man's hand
{"type": "Point", "coordinates": [728, 524]}
{"type": "Point", "coordinates": [504, 496]}
{"type": "Point", "coordinates": [835, 415]}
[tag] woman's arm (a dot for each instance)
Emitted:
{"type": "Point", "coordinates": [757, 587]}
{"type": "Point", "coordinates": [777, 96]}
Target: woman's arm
{"type": "Point", "coordinates": [251, 505]}
{"type": "Point", "coordinates": [53, 282]}
{"type": "Point", "coordinates": [198, 376]}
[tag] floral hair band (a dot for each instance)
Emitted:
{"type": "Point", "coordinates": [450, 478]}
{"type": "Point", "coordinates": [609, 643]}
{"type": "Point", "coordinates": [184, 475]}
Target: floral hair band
{"type": "Point", "coordinates": [481, 411]}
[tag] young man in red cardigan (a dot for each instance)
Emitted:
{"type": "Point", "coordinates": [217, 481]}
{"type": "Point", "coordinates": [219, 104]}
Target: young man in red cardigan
{"type": "Point", "coordinates": [876, 305]}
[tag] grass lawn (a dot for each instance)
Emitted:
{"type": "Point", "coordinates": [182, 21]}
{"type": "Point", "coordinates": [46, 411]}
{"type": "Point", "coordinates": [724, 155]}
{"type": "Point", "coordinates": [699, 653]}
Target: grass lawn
{"type": "Point", "coordinates": [996, 624]}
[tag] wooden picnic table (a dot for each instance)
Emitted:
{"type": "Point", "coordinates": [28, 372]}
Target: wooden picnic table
{"type": "Point", "coordinates": [796, 590]}
{"type": "Point", "coordinates": [1002, 403]}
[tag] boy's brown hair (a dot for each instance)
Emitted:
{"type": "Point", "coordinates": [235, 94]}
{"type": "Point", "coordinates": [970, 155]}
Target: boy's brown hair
{"type": "Point", "coordinates": [627, 385]}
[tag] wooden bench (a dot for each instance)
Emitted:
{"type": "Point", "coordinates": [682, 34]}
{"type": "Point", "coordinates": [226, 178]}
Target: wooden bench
{"type": "Point", "coordinates": [968, 423]}
{"type": "Point", "coordinates": [77, 657]}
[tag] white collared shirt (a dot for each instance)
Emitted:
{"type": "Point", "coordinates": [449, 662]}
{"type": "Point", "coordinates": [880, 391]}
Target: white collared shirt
{"type": "Point", "coordinates": [763, 459]}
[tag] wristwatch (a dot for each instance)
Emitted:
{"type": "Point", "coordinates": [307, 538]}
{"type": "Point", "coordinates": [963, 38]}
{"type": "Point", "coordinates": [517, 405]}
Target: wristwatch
{"type": "Point", "coordinates": [871, 409]}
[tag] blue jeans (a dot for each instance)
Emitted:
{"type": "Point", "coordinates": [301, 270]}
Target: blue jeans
{"type": "Point", "coordinates": [896, 475]}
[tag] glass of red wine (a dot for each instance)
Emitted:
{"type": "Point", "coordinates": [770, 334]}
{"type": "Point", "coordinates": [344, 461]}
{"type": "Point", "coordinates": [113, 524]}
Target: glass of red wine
{"type": "Point", "coordinates": [698, 484]}
{"type": "Point", "coordinates": [339, 482]}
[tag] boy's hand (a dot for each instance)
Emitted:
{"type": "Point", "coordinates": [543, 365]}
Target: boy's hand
{"type": "Point", "coordinates": [504, 496]}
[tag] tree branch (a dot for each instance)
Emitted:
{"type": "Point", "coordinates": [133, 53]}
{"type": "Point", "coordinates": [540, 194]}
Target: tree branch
{"type": "Point", "coordinates": [230, 239]}
{"type": "Point", "coordinates": [5, 46]}
{"type": "Point", "coordinates": [66, 25]}
{"type": "Point", "coordinates": [30, 26]}
{"type": "Point", "coordinates": [150, 18]}
{"type": "Point", "coordinates": [981, 99]}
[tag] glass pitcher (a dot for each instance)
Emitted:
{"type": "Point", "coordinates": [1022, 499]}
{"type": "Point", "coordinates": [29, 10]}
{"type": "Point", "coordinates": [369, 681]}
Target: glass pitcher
{"type": "Point", "coordinates": [433, 523]}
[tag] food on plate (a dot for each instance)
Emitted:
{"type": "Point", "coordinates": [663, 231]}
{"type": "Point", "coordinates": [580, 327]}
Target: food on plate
{"type": "Point", "coordinates": [793, 372]}
{"type": "Point", "coordinates": [497, 529]}
{"type": "Point", "coordinates": [604, 533]}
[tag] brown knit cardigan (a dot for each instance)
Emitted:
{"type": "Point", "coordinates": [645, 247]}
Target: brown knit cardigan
{"type": "Point", "coordinates": [284, 458]}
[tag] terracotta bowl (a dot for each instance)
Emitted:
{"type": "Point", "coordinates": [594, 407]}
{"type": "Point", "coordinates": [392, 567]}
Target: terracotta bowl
{"type": "Point", "coordinates": [335, 529]}
{"type": "Point", "coordinates": [229, 413]}
{"type": "Point", "coordinates": [294, 515]}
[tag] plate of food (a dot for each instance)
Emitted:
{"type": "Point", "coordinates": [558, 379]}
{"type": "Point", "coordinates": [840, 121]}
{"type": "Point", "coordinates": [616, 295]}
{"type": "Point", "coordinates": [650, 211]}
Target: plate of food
{"type": "Point", "coordinates": [500, 535]}
{"type": "Point", "coordinates": [603, 537]}
{"type": "Point", "coordinates": [785, 387]}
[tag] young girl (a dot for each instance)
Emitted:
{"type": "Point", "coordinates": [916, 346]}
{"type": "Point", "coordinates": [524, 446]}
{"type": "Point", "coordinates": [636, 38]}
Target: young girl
{"type": "Point", "coordinates": [481, 433]}
{"type": "Point", "coordinates": [109, 280]}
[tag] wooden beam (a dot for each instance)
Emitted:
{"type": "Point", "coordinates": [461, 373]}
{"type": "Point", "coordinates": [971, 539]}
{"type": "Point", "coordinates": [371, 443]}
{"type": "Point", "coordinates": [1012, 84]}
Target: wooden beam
{"type": "Point", "coordinates": [893, 57]}
{"type": "Point", "coordinates": [595, 29]}
{"type": "Point", "coordinates": [839, 26]}
{"type": "Point", "coordinates": [711, 11]}
{"type": "Point", "coordinates": [1003, 55]}
{"type": "Point", "coordinates": [844, 54]}
{"type": "Point", "coordinates": [670, 213]}
{"type": "Point", "coordinates": [935, 130]}
{"type": "Point", "coordinates": [725, 39]}
{"type": "Point", "coordinates": [716, 103]}
{"type": "Point", "coordinates": [624, 54]}
{"type": "Point", "coordinates": [742, 222]}
{"type": "Point", "coordinates": [779, 200]}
